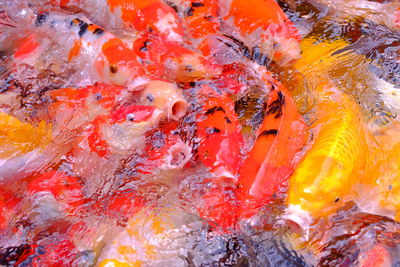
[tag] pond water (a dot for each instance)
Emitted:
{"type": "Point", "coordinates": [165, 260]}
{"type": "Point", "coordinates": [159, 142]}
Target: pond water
{"type": "Point", "coordinates": [199, 133]}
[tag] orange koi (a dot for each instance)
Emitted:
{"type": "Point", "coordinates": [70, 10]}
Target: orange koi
{"type": "Point", "coordinates": [218, 128]}
{"type": "Point", "coordinates": [272, 159]}
{"type": "Point", "coordinates": [143, 15]}
{"type": "Point", "coordinates": [161, 43]}
{"type": "Point", "coordinates": [264, 20]}
{"type": "Point", "coordinates": [245, 23]}
{"type": "Point", "coordinates": [220, 149]}
{"type": "Point", "coordinates": [201, 17]}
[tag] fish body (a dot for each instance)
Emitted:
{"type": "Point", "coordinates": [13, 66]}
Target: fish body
{"type": "Point", "coordinates": [220, 149]}
{"type": "Point", "coordinates": [172, 61]}
{"type": "Point", "coordinates": [132, 15]}
{"type": "Point", "coordinates": [275, 152]}
{"type": "Point", "coordinates": [67, 190]}
{"type": "Point", "coordinates": [258, 24]}
{"type": "Point", "coordinates": [9, 207]}
{"type": "Point", "coordinates": [266, 26]}
{"type": "Point", "coordinates": [158, 34]}
{"type": "Point", "coordinates": [65, 43]}
{"type": "Point", "coordinates": [329, 173]}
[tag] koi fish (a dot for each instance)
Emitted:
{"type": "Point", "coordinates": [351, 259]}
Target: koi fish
{"type": "Point", "coordinates": [330, 171]}
{"type": "Point", "coordinates": [122, 130]}
{"type": "Point", "coordinates": [142, 240]}
{"type": "Point", "coordinates": [17, 137]}
{"type": "Point", "coordinates": [8, 207]}
{"type": "Point", "coordinates": [201, 17]}
{"type": "Point", "coordinates": [166, 150]}
{"type": "Point", "coordinates": [260, 25]}
{"type": "Point", "coordinates": [22, 147]}
{"type": "Point", "coordinates": [279, 38]}
{"type": "Point", "coordinates": [67, 190]}
{"type": "Point", "coordinates": [73, 107]}
{"type": "Point", "coordinates": [274, 155]}
{"type": "Point", "coordinates": [104, 110]}
{"type": "Point", "coordinates": [220, 149]}
{"type": "Point", "coordinates": [131, 14]}
{"type": "Point", "coordinates": [100, 55]}
{"type": "Point", "coordinates": [381, 191]}
{"type": "Point", "coordinates": [159, 38]}
{"type": "Point", "coordinates": [171, 60]}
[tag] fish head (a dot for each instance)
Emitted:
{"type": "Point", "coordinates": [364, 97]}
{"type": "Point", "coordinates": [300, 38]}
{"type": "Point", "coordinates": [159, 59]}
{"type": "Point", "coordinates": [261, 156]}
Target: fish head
{"type": "Point", "coordinates": [119, 65]}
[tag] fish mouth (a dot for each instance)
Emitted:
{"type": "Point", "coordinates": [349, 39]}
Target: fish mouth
{"type": "Point", "coordinates": [298, 220]}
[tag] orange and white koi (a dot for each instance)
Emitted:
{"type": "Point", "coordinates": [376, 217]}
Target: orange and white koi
{"type": "Point", "coordinates": [274, 155]}
{"type": "Point", "coordinates": [107, 115]}
{"type": "Point", "coordinates": [123, 129]}
{"type": "Point", "coordinates": [139, 15]}
{"type": "Point", "coordinates": [73, 107]}
{"type": "Point", "coordinates": [101, 56]}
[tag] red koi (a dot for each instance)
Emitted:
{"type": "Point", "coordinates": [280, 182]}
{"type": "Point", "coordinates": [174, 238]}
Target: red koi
{"type": "Point", "coordinates": [171, 61]}
{"type": "Point", "coordinates": [8, 207]}
{"type": "Point", "coordinates": [67, 190]}
{"type": "Point", "coordinates": [220, 149]}
{"type": "Point", "coordinates": [165, 150]}
{"type": "Point", "coordinates": [272, 158]}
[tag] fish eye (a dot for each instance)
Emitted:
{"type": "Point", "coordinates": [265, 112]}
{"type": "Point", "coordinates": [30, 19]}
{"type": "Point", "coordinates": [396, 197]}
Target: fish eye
{"type": "Point", "coordinates": [150, 97]}
{"type": "Point", "coordinates": [113, 69]}
{"type": "Point", "coordinates": [130, 117]}
{"type": "Point", "coordinates": [98, 96]}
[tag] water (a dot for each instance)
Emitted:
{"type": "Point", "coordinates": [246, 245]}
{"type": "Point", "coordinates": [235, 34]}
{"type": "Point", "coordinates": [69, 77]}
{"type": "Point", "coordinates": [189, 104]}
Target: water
{"type": "Point", "coordinates": [72, 197]}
